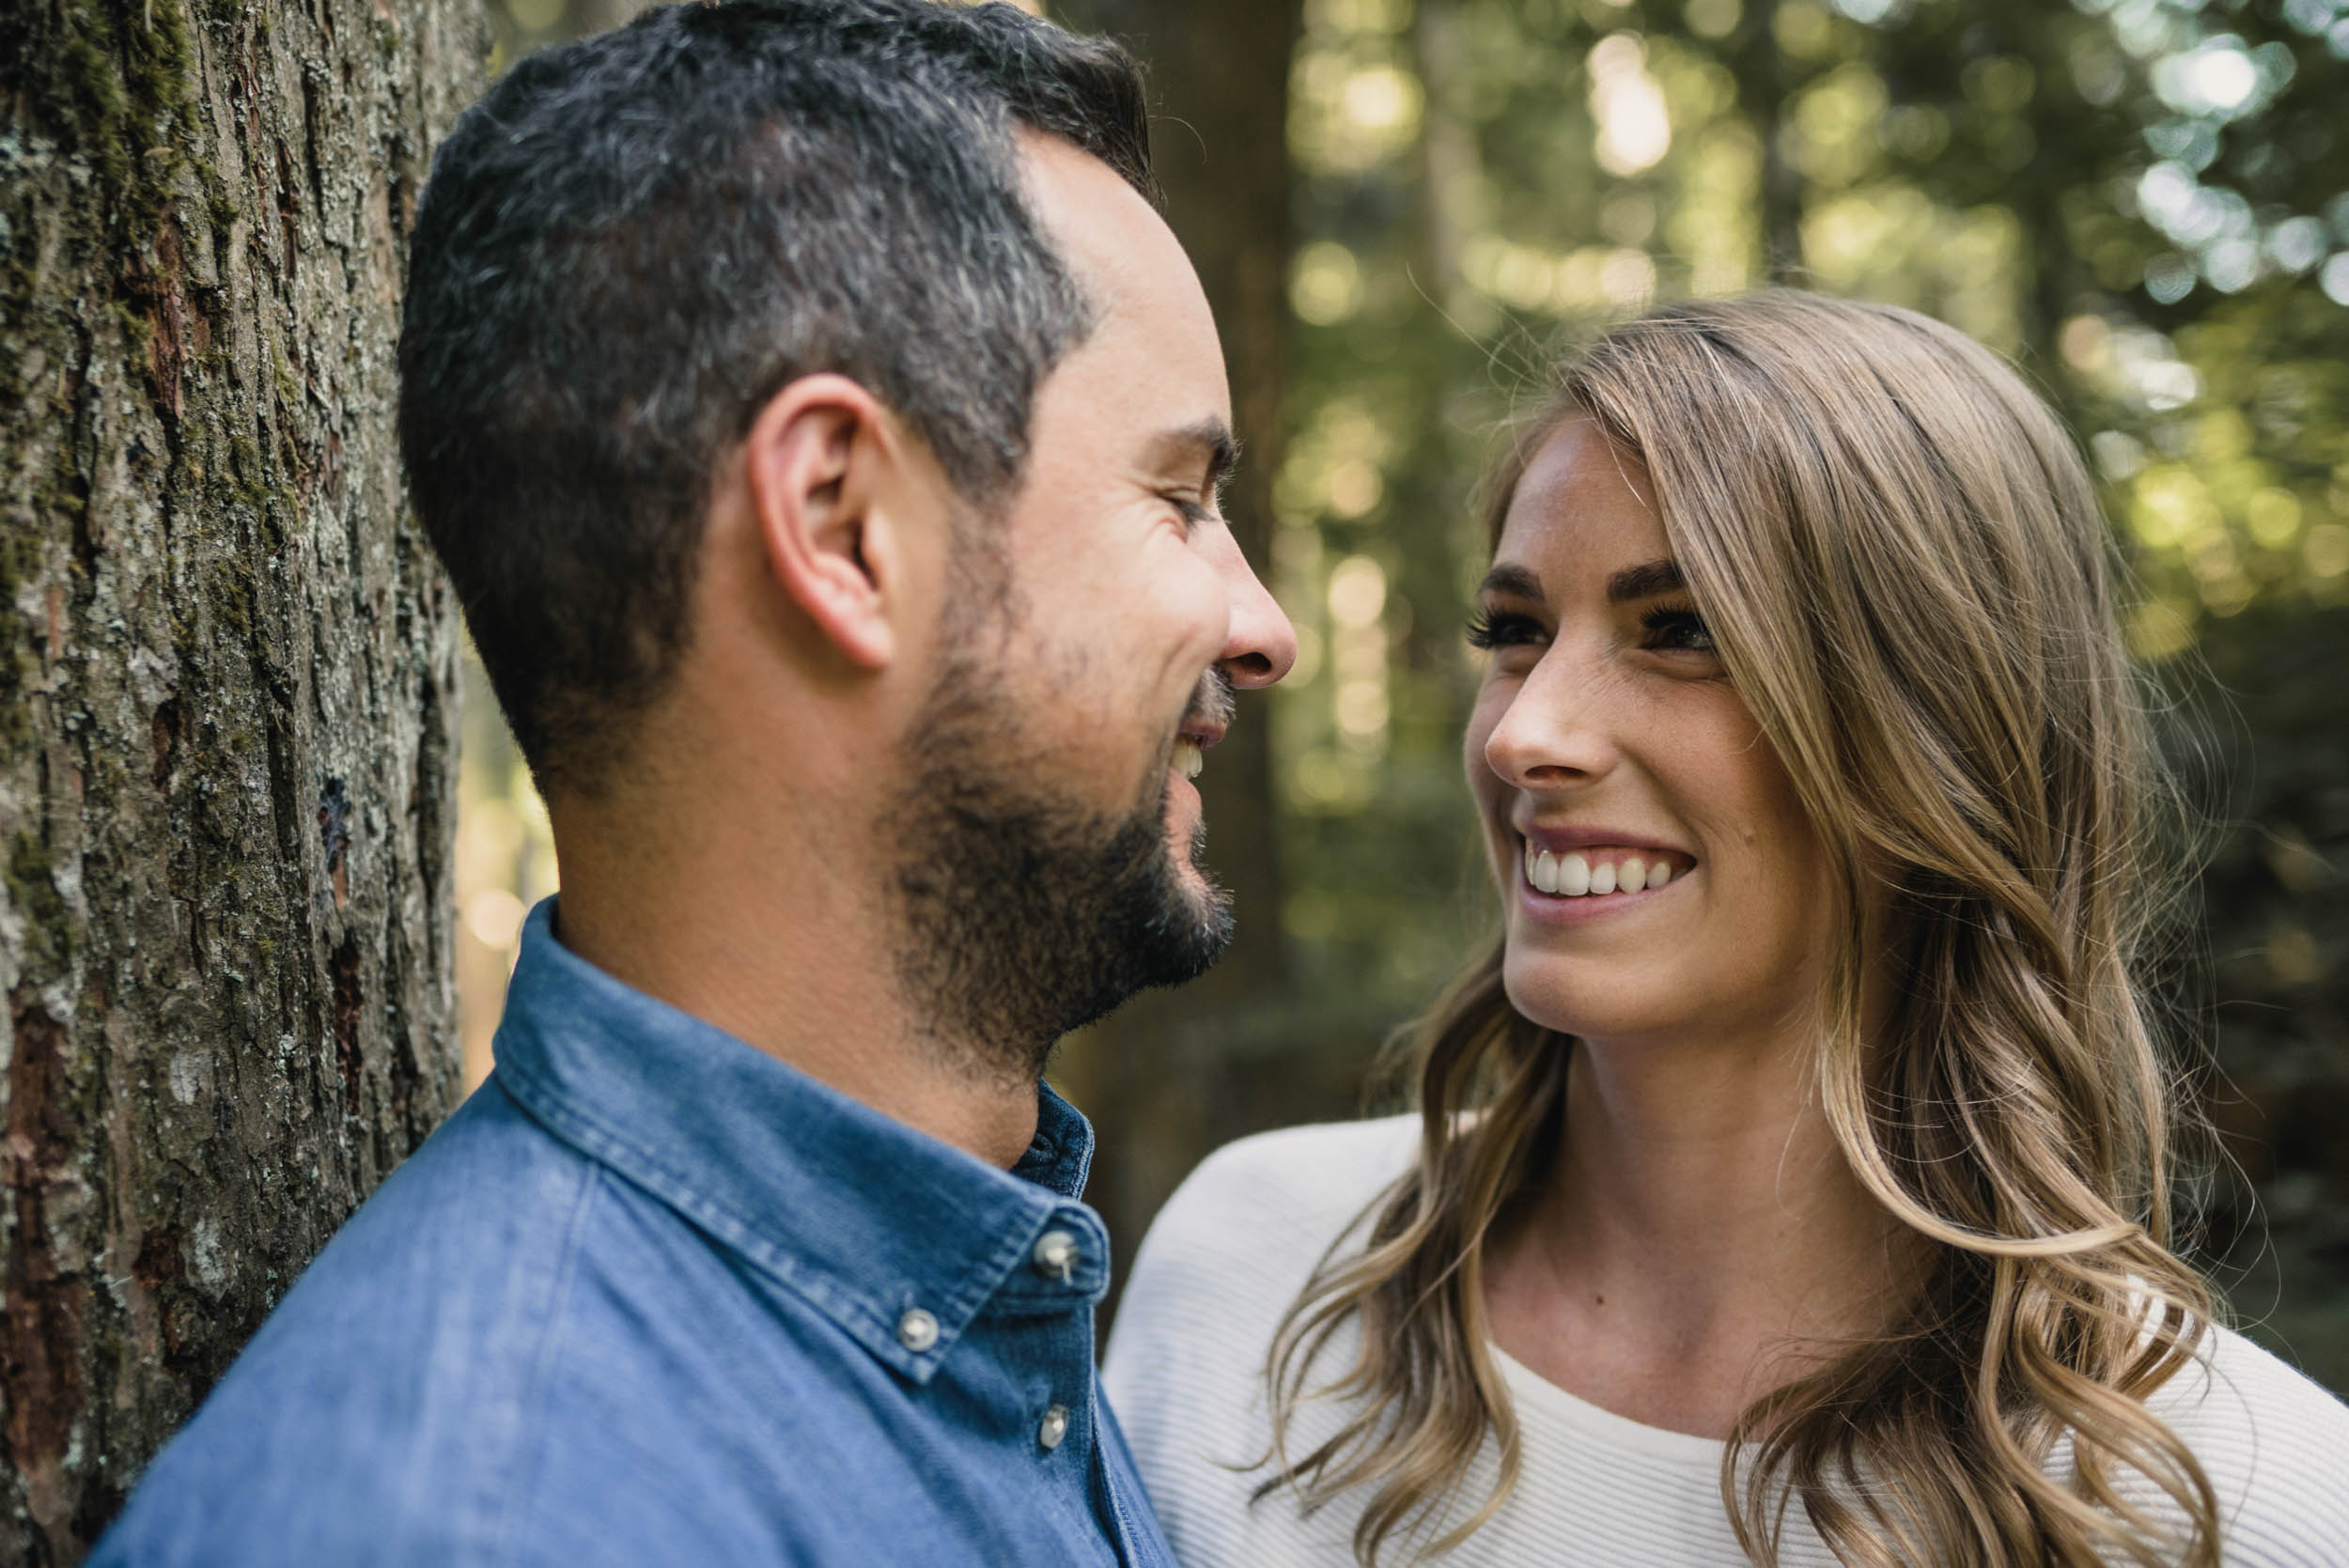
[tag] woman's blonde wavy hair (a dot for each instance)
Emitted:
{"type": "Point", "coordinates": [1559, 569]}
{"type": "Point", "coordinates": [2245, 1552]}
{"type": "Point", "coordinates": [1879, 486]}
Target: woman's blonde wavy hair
{"type": "Point", "coordinates": [1902, 562]}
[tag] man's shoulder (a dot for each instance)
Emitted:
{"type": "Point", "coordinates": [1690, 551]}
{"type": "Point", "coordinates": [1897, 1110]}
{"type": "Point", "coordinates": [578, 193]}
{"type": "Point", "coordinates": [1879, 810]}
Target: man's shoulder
{"type": "Point", "coordinates": [390, 1409]}
{"type": "Point", "coordinates": [467, 1238]}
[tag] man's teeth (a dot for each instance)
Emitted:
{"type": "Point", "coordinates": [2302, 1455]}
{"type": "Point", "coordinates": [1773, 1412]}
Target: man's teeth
{"type": "Point", "coordinates": [1190, 760]}
{"type": "Point", "coordinates": [1577, 875]}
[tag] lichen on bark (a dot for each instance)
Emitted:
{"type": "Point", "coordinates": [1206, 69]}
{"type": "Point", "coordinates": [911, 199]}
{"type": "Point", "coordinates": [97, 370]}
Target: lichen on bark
{"type": "Point", "coordinates": [227, 696]}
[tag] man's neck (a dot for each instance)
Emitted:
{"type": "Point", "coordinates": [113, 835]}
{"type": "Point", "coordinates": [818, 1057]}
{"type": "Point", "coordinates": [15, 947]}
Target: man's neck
{"type": "Point", "coordinates": [775, 944]}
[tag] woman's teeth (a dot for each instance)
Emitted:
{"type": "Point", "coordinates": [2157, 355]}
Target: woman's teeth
{"type": "Point", "coordinates": [1601, 870]}
{"type": "Point", "coordinates": [1190, 760]}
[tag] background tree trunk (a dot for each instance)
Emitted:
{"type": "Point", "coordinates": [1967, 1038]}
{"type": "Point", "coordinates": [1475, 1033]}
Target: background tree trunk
{"type": "Point", "coordinates": [227, 695]}
{"type": "Point", "coordinates": [1173, 1074]}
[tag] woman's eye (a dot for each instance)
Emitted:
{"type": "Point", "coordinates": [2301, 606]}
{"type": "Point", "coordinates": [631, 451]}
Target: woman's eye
{"type": "Point", "coordinates": [1490, 630]}
{"type": "Point", "coordinates": [1678, 631]}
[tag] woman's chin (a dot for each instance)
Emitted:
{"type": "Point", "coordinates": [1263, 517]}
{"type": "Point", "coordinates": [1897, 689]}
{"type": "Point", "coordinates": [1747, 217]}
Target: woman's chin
{"type": "Point", "coordinates": [1584, 998]}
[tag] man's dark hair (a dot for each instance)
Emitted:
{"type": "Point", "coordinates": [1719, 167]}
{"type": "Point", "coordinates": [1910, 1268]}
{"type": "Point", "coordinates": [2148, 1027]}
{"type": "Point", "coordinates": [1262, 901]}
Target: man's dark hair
{"type": "Point", "coordinates": [633, 242]}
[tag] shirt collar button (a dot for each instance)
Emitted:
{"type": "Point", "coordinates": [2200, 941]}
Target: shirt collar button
{"type": "Point", "coordinates": [1056, 1256]}
{"type": "Point", "coordinates": [917, 1330]}
{"type": "Point", "coordinates": [1053, 1428]}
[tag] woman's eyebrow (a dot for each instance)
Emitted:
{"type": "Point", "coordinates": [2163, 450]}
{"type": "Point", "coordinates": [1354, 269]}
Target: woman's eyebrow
{"type": "Point", "coordinates": [1514, 581]}
{"type": "Point", "coordinates": [1647, 580]}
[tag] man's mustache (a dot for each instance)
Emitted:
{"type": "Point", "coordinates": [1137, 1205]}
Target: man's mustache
{"type": "Point", "coordinates": [1213, 702]}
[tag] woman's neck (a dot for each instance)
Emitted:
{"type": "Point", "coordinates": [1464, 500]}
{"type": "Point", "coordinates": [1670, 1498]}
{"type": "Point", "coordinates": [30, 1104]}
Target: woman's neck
{"type": "Point", "coordinates": [1701, 1239]}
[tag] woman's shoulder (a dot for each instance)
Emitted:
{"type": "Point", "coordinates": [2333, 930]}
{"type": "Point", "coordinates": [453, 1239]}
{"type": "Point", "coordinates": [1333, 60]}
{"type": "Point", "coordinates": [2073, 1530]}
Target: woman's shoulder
{"type": "Point", "coordinates": [2274, 1445]}
{"type": "Point", "coordinates": [1186, 1358]}
{"type": "Point", "coordinates": [1297, 1179]}
{"type": "Point", "coordinates": [1260, 1213]}
{"type": "Point", "coordinates": [1238, 1239]}
{"type": "Point", "coordinates": [1225, 1259]}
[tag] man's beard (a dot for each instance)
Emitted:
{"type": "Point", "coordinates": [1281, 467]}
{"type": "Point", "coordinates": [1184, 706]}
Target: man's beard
{"type": "Point", "coordinates": [1027, 914]}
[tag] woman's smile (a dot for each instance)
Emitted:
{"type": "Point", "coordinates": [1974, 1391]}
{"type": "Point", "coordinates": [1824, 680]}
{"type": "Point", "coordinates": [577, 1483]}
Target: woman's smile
{"type": "Point", "coordinates": [1576, 876]}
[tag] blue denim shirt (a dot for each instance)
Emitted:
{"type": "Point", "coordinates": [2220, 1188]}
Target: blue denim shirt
{"type": "Point", "coordinates": [651, 1296]}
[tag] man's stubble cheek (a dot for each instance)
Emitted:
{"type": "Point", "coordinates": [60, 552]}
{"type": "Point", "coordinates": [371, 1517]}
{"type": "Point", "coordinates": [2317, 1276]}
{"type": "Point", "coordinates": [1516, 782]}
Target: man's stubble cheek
{"type": "Point", "coordinates": [997, 876]}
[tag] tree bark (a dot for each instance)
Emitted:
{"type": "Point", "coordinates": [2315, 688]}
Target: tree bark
{"type": "Point", "coordinates": [1161, 1078]}
{"type": "Point", "coordinates": [227, 696]}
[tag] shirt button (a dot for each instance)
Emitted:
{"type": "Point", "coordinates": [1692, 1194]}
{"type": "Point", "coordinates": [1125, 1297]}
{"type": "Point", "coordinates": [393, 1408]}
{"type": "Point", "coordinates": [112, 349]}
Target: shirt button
{"type": "Point", "coordinates": [1053, 1428]}
{"type": "Point", "coordinates": [1056, 1256]}
{"type": "Point", "coordinates": [917, 1330]}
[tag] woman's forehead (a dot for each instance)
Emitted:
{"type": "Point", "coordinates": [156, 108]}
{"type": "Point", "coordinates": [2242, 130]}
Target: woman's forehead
{"type": "Point", "coordinates": [1581, 510]}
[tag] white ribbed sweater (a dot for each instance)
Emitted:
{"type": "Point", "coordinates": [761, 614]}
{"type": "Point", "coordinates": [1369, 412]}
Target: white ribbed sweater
{"type": "Point", "coordinates": [1233, 1247]}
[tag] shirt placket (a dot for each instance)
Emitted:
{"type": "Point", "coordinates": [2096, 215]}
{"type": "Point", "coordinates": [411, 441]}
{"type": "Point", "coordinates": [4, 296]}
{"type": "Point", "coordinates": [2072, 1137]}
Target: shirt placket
{"type": "Point", "coordinates": [1066, 1274]}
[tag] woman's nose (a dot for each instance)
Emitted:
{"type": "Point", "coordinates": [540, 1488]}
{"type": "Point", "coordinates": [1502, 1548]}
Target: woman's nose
{"type": "Point", "coordinates": [1555, 733]}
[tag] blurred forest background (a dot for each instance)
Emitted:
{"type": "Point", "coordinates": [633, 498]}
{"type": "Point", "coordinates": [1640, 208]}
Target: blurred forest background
{"type": "Point", "coordinates": [1401, 207]}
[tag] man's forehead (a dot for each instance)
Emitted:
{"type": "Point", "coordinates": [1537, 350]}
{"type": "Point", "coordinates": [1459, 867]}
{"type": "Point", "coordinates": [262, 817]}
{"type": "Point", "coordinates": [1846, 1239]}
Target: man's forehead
{"type": "Point", "coordinates": [1150, 374]}
{"type": "Point", "coordinates": [1122, 252]}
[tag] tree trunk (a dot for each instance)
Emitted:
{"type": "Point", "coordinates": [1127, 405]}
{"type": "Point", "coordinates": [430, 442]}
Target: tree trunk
{"type": "Point", "coordinates": [227, 695]}
{"type": "Point", "coordinates": [600, 16]}
{"type": "Point", "coordinates": [1766, 81]}
{"type": "Point", "coordinates": [1159, 1077]}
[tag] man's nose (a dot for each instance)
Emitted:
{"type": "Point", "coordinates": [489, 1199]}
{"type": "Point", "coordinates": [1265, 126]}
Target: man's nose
{"type": "Point", "coordinates": [1261, 645]}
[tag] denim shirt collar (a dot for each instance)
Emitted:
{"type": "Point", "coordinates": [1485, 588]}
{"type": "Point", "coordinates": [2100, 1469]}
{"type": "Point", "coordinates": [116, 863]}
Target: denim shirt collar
{"type": "Point", "coordinates": [862, 1215]}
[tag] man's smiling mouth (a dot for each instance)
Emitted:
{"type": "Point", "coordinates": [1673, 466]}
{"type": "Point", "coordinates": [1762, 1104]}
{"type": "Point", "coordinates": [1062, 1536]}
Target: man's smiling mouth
{"type": "Point", "coordinates": [1210, 715]}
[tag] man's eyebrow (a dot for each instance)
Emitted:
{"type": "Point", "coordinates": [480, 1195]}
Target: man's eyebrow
{"type": "Point", "coordinates": [1208, 440]}
{"type": "Point", "coordinates": [1648, 580]}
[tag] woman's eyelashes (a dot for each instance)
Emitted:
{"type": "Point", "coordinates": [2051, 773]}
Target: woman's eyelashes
{"type": "Point", "coordinates": [1663, 628]}
{"type": "Point", "coordinates": [1677, 630]}
{"type": "Point", "coordinates": [1488, 629]}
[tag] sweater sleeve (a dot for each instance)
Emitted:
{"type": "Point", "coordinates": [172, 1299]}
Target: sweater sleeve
{"type": "Point", "coordinates": [2276, 1447]}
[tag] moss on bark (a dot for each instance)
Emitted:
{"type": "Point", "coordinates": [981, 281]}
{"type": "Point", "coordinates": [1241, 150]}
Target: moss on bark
{"type": "Point", "coordinates": [223, 1030]}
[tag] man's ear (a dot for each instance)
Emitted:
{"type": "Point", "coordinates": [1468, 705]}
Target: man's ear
{"type": "Point", "coordinates": [815, 461]}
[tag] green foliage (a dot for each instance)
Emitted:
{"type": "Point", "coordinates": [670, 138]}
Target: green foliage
{"type": "Point", "coordinates": [2276, 908]}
